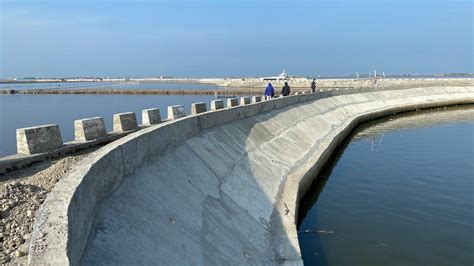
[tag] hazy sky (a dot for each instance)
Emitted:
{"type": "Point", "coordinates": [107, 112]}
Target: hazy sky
{"type": "Point", "coordinates": [234, 38]}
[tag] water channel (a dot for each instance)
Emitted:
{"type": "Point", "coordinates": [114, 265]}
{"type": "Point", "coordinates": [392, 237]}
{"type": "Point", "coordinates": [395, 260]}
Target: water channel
{"type": "Point", "coordinates": [400, 191]}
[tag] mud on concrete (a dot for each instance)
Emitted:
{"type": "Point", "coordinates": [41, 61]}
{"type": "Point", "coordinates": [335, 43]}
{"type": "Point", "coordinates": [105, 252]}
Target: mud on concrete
{"type": "Point", "coordinates": [21, 193]}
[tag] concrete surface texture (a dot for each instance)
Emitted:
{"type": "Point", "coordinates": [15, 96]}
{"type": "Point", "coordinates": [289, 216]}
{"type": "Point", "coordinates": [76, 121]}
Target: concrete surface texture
{"type": "Point", "coordinates": [151, 116]}
{"type": "Point", "coordinates": [217, 105]}
{"type": "Point", "coordinates": [32, 140]}
{"type": "Point", "coordinates": [231, 102]}
{"type": "Point", "coordinates": [216, 188]}
{"type": "Point", "coordinates": [256, 99]}
{"type": "Point", "coordinates": [89, 129]}
{"type": "Point", "coordinates": [197, 108]}
{"type": "Point", "coordinates": [125, 122]}
{"type": "Point", "coordinates": [175, 112]}
{"type": "Point", "coordinates": [244, 100]}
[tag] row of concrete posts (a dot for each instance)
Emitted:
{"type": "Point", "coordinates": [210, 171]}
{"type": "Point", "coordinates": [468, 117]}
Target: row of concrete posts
{"type": "Point", "coordinates": [47, 138]}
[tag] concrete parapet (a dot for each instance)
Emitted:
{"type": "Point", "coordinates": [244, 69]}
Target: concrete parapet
{"type": "Point", "coordinates": [197, 108]}
{"type": "Point", "coordinates": [89, 129]}
{"type": "Point", "coordinates": [151, 116]}
{"type": "Point", "coordinates": [256, 99]}
{"type": "Point", "coordinates": [217, 105]}
{"type": "Point", "coordinates": [175, 112]}
{"type": "Point", "coordinates": [232, 102]}
{"type": "Point", "coordinates": [125, 122]}
{"type": "Point", "coordinates": [244, 100]}
{"type": "Point", "coordinates": [20, 161]}
{"type": "Point", "coordinates": [31, 140]}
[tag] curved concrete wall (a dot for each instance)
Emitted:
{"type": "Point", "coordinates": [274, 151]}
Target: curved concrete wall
{"type": "Point", "coordinates": [218, 187]}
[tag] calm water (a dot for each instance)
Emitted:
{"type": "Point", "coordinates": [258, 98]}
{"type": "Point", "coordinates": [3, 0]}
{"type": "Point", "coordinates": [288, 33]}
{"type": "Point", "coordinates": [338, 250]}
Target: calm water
{"type": "Point", "coordinates": [17, 111]}
{"type": "Point", "coordinates": [400, 193]}
{"type": "Point", "coordinates": [107, 85]}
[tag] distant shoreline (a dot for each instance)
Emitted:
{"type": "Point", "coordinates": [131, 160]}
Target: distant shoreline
{"type": "Point", "coordinates": [220, 79]}
{"type": "Point", "coordinates": [246, 86]}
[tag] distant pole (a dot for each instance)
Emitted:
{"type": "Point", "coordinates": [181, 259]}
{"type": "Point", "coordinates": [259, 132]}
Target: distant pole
{"type": "Point", "coordinates": [375, 73]}
{"type": "Point", "coordinates": [383, 73]}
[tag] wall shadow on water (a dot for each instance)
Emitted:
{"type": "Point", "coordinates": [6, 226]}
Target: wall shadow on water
{"type": "Point", "coordinates": [423, 118]}
{"type": "Point", "coordinates": [312, 195]}
{"type": "Point", "coordinates": [314, 192]}
{"type": "Point", "coordinates": [309, 237]}
{"type": "Point", "coordinates": [310, 199]}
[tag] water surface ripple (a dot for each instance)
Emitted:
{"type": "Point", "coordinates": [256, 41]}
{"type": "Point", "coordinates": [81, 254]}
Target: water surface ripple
{"type": "Point", "coordinates": [399, 193]}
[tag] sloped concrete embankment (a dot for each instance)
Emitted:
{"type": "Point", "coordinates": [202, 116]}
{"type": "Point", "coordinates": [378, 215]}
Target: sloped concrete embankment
{"type": "Point", "coordinates": [216, 188]}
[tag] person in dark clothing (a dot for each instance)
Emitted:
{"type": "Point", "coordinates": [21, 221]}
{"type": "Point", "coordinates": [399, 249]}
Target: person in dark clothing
{"type": "Point", "coordinates": [269, 91]}
{"type": "Point", "coordinates": [285, 91]}
{"type": "Point", "coordinates": [313, 85]}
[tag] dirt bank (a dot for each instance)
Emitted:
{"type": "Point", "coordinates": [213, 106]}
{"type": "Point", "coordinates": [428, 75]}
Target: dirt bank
{"type": "Point", "coordinates": [21, 194]}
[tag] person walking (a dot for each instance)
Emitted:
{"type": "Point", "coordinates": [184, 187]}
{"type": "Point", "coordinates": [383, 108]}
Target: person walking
{"type": "Point", "coordinates": [313, 85]}
{"type": "Point", "coordinates": [269, 91]}
{"type": "Point", "coordinates": [285, 91]}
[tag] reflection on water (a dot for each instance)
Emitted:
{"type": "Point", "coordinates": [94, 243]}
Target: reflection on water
{"type": "Point", "coordinates": [18, 111]}
{"type": "Point", "coordinates": [400, 192]}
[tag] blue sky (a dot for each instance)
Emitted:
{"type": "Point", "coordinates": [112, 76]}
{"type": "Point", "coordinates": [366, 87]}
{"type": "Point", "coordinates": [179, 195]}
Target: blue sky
{"type": "Point", "coordinates": [233, 38]}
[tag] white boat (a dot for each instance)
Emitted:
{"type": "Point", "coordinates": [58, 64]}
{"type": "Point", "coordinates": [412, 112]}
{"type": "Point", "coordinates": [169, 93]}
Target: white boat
{"type": "Point", "coordinates": [282, 76]}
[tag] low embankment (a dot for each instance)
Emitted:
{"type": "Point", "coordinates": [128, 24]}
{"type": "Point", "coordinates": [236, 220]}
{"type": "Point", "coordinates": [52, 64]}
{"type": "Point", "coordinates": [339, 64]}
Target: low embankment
{"type": "Point", "coordinates": [224, 92]}
{"type": "Point", "coordinates": [400, 83]}
{"type": "Point", "coordinates": [250, 86]}
{"type": "Point", "coordinates": [219, 187]}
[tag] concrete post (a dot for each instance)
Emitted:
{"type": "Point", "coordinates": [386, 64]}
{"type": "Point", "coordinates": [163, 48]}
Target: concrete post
{"type": "Point", "coordinates": [217, 104]}
{"type": "Point", "coordinates": [151, 116]}
{"type": "Point", "coordinates": [231, 102]}
{"type": "Point", "coordinates": [175, 112]}
{"type": "Point", "coordinates": [89, 129]}
{"type": "Point", "coordinates": [197, 108]}
{"type": "Point", "coordinates": [256, 99]}
{"type": "Point", "coordinates": [125, 122]}
{"type": "Point", "coordinates": [38, 139]}
{"type": "Point", "coordinates": [244, 100]}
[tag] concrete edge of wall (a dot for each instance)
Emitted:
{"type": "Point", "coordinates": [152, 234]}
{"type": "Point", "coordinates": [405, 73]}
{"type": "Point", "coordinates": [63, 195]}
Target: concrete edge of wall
{"type": "Point", "coordinates": [68, 211]}
{"type": "Point", "coordinates": [19, 161]}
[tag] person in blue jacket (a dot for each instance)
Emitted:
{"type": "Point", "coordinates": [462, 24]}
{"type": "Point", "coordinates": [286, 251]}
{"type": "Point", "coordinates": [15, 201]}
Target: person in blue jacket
{"type": "Point", "coordinates": [269, 91]}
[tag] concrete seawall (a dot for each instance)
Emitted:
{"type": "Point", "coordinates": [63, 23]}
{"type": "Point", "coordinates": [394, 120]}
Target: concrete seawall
{"type": "Point", "coordinates": [352, 83]}
{"type": "Point", "coordinates": [219, 187]}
